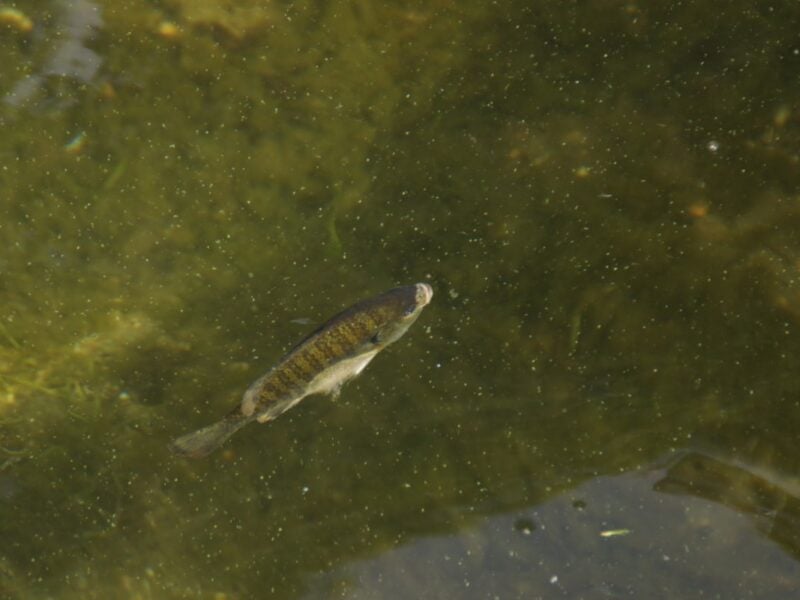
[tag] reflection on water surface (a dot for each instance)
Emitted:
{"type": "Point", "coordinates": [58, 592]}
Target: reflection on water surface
{"type": "Point", "coordinates": [611, 537]}
{"type": "Point", "coordinates": [604, 196]}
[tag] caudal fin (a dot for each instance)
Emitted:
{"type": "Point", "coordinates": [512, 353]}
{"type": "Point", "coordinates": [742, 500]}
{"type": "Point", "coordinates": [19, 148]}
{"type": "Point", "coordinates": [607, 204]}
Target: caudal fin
{"type": "Point", "coordinates": [204, 441]}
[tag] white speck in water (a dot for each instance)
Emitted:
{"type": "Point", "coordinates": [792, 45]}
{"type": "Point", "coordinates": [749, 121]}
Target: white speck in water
{"type": "Point", "coordinates": [713, 146]}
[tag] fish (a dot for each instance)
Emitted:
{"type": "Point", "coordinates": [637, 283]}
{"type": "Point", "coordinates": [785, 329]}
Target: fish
{"type": "Point", "coordinates": [320, 363]}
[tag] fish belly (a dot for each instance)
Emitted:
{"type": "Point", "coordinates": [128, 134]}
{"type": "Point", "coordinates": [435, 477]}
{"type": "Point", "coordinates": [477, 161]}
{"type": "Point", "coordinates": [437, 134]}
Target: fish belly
{"type": "Point", "coordinates": [327, 381]}
{"type": "Point", "coordinates": [331, 379]}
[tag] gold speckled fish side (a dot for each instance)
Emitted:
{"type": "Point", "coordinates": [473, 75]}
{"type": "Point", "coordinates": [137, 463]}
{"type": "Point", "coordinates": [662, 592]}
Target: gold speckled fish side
{"type": "Point", "coordinates": [320, 363]}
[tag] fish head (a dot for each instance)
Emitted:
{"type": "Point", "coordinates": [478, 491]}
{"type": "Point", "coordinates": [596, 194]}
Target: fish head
{"type": "Point", "coordinates": [396, 310]}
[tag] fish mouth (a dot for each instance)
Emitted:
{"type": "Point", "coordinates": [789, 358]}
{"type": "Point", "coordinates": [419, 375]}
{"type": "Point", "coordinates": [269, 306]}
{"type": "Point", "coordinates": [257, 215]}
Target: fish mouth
{"type": "Point", "coordinates": [424, 294]}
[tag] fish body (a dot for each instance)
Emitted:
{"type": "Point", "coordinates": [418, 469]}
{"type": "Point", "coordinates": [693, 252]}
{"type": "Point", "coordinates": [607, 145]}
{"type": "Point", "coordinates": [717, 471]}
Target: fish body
{"type": "Point", "coordinates": [321, 363]}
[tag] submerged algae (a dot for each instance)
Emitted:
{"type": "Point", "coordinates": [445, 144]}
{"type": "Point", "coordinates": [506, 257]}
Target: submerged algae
{"type": "Point", "coordinates": [592, 319]}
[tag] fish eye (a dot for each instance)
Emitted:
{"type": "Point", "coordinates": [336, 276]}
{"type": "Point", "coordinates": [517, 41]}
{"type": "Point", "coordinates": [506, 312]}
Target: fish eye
{"type": "Point", "coordinates": [409, 311]}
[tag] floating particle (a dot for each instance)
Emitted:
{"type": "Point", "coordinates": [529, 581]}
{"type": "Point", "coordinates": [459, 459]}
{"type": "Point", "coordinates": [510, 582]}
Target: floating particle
{"type": "Point", "coordinates": [169, 31]}
{"type": "Point", "coordinates": [614, 532]}
{"type": "Point", "coordinates": [76, 144]}
{"type": "Point", "coordinates": [16, 19]}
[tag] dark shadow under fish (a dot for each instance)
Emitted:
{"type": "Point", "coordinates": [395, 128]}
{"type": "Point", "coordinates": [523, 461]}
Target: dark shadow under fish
{"type": "Point", "coordinates": [321, 363]}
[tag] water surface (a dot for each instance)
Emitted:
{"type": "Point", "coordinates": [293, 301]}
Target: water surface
{"type": "Point", "coordinates": [600, 402]}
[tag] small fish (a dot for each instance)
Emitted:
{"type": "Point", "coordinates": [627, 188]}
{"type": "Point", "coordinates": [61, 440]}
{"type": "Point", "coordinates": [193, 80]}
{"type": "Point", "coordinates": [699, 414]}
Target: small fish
{"type": "Point", "coordinates": [335, 352]}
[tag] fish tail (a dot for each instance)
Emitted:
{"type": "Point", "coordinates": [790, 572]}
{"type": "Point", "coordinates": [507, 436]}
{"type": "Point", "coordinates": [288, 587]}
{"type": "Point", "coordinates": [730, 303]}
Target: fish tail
{"type": "Point", "coordinates": [204, 441]}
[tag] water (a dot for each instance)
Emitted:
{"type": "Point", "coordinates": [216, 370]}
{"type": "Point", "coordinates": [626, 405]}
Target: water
{"type": "Point", "coordinates": [601, 400]}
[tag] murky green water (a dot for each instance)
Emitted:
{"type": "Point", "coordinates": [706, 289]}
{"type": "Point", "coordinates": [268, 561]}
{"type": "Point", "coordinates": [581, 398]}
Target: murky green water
{"type": "Point", "coordinates": [602, 400]}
